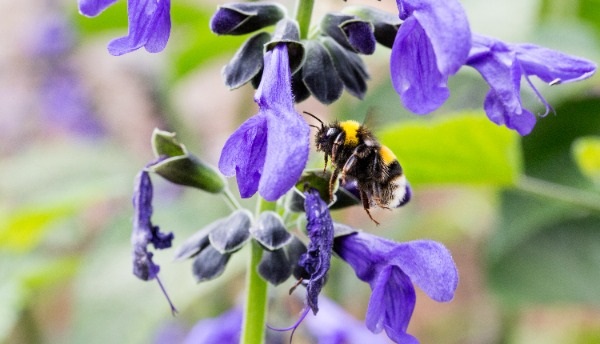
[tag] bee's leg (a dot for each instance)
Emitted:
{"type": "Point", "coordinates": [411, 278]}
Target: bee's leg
{"type": "Point", "coordinates": [337, 143]}
{"type": "Point", "coordinates": [349, 164]}
{"type": "Point", "coordinates": [365, 200]}
{"type": "Point", "coordinates": [379, 197]}
{"type": "Point", "coordinates": [334, 176]}
{"type": "Point", "coordinates": [326, 160]}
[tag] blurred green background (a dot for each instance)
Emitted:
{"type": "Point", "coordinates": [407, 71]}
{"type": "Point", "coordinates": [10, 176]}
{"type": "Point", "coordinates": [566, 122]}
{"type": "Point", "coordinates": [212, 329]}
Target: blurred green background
{"type": "Point", "coordinates": [521, 215]}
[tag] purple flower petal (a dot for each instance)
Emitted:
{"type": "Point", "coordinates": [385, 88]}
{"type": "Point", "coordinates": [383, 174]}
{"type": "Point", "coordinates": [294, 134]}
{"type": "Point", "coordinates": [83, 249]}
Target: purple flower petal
{"type": "Point", "coordinates": [144, 232]}
{"type": "Point", "coordinates": [414, 71]}
{"type": "Point", "coordinates": [149, 27]}
{"type": "Point", "coordinates": [244, 154]}
{"type": "Point", "coordinates": [550, 65]}
{"type": "Point", "coordinates": [225, 328]}
{"type": "Point", "coordinates": [432, 44]}
{"type": "Point", "coordinates": [334, 325]}
{"type": "Point", "coordinates": [391, 305]}
{"type": "Point", "coordinates": [429, 265]}
{"type": "Point", "coordinates": [391, 268]}
{"type": "Point", "coordinates": [92, 8]}
{"type": "Point", "coordinates": [504, 65]}
{"type": "Point", "coordinates": [269, 151]}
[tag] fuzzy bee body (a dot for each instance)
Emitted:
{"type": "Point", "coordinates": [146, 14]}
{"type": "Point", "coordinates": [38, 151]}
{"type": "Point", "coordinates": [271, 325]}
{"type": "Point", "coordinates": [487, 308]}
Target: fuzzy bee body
{"type": "Point", "coordinates": [355, 153]}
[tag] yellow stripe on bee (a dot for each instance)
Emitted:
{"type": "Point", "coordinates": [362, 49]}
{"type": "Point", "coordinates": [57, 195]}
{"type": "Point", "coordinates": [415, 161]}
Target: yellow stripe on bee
{"type": "Point", "coordinates": [387, 155]}
{"type": "Point", "coordinates": [351, 130]}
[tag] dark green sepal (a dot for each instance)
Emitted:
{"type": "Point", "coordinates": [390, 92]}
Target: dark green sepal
{"type": "Point", "coordinates": [196, 243]}
{"type": "Point", "coordinates": [385, 24]}
{"type": "Point", "coordinates": [231, 234]}
{"type": "Point", "coordinates": [319, 180]}
{"type": "Point", "coordinates": [270, 231]}
{"type": "Point", "coordinates": [319, 74]}
{"type": "Point", "coordinates": [275, 266]}
{"type": "Point", "coordinates": [287, 31]}
{"type": "Point", "coordinates": [350, 68]}
{"type": "Point", "coordinates": [247, 61]}
{"type": "Point", "coordinates": [243, 17]}
{"type": "Point", "coordinates": [188, 170]}
{"type": "Point", "coordinates": [164, 144]}
{"type": "Point", "coordinates": [209, 264]}
{"type": "Point", "coordinates": [294, 250]}
{"type": "Point", "coordinates": [301, 93]}
{"type": "Point", "coordinates": [180, 167]}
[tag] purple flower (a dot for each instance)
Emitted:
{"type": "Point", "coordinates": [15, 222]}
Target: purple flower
{"type": "Point", "coordinates": [149, 27]}
{"type": "Point", "coordinates": [432, 43]}
{"type": "Point", "coordinates": [92, 8]}
{"type": "Point", "coordinates": [317, 259]}
{"type": "Point", "coordinates": [503, 65]}
{"type": "Point", "coordinates": [391, 268]}
{"type": "Point", "coordinates": [268, 152]}
{"type": "Point", "coordinates": [334, 325]}
{"type": "Point", "coordinates": [224, 329]}
{"type": "Point", "coordinates": [144, 232]}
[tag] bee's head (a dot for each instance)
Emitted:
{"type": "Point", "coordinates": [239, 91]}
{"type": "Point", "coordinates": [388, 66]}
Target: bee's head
{"type": "Point", "coordinates": [322, 137]}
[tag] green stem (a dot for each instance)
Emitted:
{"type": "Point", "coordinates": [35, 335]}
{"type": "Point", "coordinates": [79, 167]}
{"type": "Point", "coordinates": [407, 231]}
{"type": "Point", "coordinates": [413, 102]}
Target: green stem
{"type": "Point", "coordinates": [304, 9]}
{"type": "Point", "coordinates": [566, 194]}
{"type": "Point", "coordinates": [231, 200]}
{"type": "Point", "coordinates": [255, 310]}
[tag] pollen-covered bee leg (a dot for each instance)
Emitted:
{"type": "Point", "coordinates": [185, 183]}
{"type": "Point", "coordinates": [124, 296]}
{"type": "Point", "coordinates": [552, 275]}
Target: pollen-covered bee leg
{"type": "Point", "coordinates": [334, 176]}
{"type": "Point", "coordinates": [365, 200]}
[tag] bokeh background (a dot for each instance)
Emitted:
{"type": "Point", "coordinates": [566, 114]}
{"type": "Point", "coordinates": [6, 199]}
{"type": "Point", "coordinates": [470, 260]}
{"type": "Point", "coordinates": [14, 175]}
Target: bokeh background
{"type": "Point", "coordinates": [520, 215]}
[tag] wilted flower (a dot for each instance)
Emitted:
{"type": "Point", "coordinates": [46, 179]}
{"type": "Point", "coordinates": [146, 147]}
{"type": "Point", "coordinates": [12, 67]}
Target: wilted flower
{"type": "Point", "coordinates": [317, 259]}
{"type": "Point", "coordinates": [149, 27]}
{"type": "Point", "coordinates": [432, 43]}
{"type": "Point", "coordinates": [144, 232]}
{"type": "Point", "coordinates": [268, 152]}
{"type": "Point", "coordinates": [503, 66]}
{"type": "Point", "coordinates": [391, 268]}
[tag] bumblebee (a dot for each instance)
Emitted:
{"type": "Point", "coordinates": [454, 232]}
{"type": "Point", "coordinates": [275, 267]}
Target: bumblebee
{"type": "Point", "coordinates": [356, 154]}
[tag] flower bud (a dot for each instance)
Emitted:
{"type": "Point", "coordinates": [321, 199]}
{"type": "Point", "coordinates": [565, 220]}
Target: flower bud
{"type": "Point", "coordinates": [385, 24]}
{"type": "Point", "coordinates": [243, 18]}
{"type": "Point", "coordinates": [350, 32]}
{"type": "Point", "coordinates": [180, 167]}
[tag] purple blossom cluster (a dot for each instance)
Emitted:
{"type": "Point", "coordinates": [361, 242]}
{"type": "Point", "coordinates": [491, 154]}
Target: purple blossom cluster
{"type": "Point", "coordinates": [430, 41]}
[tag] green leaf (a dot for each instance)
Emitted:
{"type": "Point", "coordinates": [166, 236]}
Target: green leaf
{"type": "Point", "coordinates": [465, 148]}
{"type": "Point", "coordinates": [24, 228]}
{"type": "Point", "coordinates": [557, 264]}
{"type": "Point", "coordinates": [586, 151]}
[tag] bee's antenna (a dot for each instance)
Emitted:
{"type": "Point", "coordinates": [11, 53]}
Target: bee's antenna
{"type": "Point", "coordinates": [314, 126]}
{"type": "Point", "coordinates": [315, 117]}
